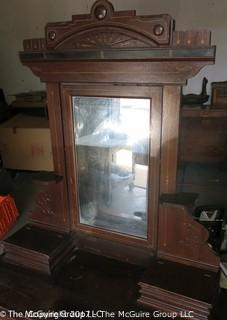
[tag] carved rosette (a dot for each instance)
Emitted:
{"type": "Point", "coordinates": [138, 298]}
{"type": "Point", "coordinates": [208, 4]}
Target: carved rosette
{"type": "Point", "coordinates": [102, 10]}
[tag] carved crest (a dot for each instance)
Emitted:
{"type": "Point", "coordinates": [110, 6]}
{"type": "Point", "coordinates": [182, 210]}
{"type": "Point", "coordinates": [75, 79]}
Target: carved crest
{"type": "Point", "coordinates": [105, 28]}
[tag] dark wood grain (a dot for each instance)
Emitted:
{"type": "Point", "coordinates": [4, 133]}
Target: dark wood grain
{"type": "Point", "coordinates": [125, 72]}
{"type": "Point", "coordinates": [170, 134]}
{"type": "Point", "coordinates": [61, 219]}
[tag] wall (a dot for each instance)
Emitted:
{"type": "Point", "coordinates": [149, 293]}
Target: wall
{"type": "Point", "coordinates": [27, 18]}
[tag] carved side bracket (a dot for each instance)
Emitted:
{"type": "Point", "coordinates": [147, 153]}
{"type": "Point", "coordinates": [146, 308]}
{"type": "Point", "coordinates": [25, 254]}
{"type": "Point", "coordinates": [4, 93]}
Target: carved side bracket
{"type": "Point", "coordinates": [182, 239]}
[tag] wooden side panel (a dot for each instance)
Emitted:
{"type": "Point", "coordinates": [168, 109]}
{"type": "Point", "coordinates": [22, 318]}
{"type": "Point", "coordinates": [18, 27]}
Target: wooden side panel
{"type": "Point", "coordinates": [154, 170]}
{"type": "Point", "coordinates": [196, 145]}
{"type": "Point", "coordinates": [170, 132]}
{"type": "Point", "coordinates": [183, 239]}
{"type": "Point", "coordinates": [52, 203]}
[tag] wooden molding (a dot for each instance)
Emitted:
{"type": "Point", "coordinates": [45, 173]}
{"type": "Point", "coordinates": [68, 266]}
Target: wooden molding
{"type": "Point", "coordinates": [129, 72]}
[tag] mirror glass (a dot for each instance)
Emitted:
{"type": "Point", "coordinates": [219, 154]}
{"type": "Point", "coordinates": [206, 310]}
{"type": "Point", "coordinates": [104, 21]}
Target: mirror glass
{"type": "Point", "coordinates": [112, 148]}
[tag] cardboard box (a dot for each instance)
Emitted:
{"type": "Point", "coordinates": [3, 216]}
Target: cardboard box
{"type": "Point", "coordinates": [25, 144]}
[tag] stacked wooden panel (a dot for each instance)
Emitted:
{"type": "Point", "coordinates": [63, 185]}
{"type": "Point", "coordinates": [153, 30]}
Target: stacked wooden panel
{"type": "Point", "coordinates": [183, 290]}
{"type": "Point", "coordinates": [37, 249]}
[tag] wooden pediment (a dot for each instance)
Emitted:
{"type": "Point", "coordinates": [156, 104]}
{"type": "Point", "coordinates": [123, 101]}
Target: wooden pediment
{"type": "Point", "coordinates": [116, 39]}
{"type": "Point", "coordinates": [105, 28]}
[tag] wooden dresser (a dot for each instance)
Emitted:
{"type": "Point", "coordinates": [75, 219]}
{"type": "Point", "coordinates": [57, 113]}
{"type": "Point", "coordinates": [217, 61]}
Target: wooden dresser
{"type": "Point", "coordinates": [114, 82]}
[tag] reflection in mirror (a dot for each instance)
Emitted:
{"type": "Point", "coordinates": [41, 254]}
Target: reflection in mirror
{"type": "Point", "coordinates": [112, 147]}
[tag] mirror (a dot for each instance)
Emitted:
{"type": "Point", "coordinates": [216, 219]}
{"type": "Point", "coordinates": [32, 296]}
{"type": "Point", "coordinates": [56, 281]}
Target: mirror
{"type": "Point", "coordinates": [112, 148]}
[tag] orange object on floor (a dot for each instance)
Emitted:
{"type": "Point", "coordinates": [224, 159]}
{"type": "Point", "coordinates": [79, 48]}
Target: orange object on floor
{"type": "Point", "coordinates": [8, 214]}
